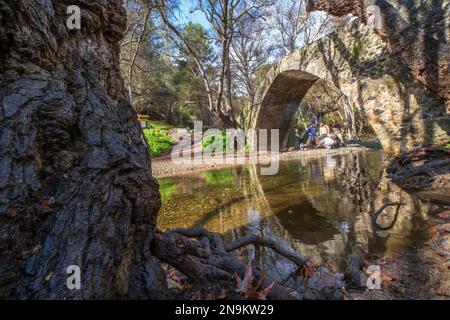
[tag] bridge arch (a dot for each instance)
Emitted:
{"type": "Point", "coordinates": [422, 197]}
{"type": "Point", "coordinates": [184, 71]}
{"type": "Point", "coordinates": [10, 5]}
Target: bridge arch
{"type": "Point", "coordinates": [282, 99]}
{"type": "Point", "coordinates": [356, 62]}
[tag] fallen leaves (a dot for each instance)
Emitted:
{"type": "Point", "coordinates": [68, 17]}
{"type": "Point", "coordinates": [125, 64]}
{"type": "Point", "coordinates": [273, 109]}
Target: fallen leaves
{"type": "Point", "coordinates": [385, 277]}
{"type": "Point", "coordinates": [305, 272]}
{"type": "Point", "coordinates": [244, 284]}
{"type": "Point", "coordinates": [246, 287]}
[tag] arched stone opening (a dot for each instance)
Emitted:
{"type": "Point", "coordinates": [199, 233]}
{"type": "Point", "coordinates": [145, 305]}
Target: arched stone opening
{"type": "Point", "coordinates": [283, 99]}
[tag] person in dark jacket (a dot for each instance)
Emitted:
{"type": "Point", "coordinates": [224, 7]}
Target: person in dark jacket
{"type": "Point", "coordinates": [312, 134]}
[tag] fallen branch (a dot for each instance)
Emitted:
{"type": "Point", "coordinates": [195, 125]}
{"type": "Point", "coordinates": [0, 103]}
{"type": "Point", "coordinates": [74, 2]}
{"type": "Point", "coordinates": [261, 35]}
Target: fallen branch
{"type": "Point", "coordinates": [425, 170]}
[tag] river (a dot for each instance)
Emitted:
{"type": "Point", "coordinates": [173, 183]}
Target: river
{"type": "Point", "coordinates": [321, 207]}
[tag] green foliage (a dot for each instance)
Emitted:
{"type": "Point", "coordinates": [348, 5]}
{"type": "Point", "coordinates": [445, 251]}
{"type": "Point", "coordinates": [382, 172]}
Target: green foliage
{"type": "Point", "coordinates": [219, 142]}
{"type": "Point", "coordinates": [165, 84]}
{"type": "Point", "coordinates": [199, 39]}
{"type": "Point", "coordinates": [216, 141]}
{"type": "Point", "coordinates": [158, 139]}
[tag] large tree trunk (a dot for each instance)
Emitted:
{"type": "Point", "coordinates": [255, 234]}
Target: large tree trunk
{"type": "Point", "coordinates": [427, 58]}
{"type": "Point", "coordinates": [75, 184]}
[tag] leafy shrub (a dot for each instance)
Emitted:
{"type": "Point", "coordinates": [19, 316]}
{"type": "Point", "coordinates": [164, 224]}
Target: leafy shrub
{"type": "Point", "coordinates": [219, 141]}
{"type": "Point", "coordinates": [158, 139]}
{"type": "Point", "coordinates": [216, 140]}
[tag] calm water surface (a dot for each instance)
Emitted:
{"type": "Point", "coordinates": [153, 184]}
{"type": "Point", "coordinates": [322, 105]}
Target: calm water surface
{"type": "Point", "coordinates": [306, 205]}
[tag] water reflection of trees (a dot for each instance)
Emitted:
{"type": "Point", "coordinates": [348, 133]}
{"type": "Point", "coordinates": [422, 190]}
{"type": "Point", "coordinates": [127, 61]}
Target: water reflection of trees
{"type": "Point", "coordinates": [309, 206]}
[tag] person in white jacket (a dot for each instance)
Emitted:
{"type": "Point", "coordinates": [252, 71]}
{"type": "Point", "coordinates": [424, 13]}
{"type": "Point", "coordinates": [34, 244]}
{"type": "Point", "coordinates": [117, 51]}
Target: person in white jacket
{"type": "Point", "coordinates": [327, 143]}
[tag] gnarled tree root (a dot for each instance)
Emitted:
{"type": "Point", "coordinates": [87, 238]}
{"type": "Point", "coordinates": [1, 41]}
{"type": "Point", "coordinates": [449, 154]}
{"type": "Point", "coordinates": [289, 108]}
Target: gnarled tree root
{"type": "Point", "coordinates": [425, 171]}
{"type": "Point", "coordinates": [205, 259]}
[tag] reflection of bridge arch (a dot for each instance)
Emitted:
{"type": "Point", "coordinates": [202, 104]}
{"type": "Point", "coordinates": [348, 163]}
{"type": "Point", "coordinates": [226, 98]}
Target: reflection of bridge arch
{"type": "Point", "coordinates": [327, 247]}
{"type": "Point", "coordinates": [332, 245]}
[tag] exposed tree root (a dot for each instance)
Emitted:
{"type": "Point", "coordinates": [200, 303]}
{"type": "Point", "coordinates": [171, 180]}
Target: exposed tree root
{"type": "Point", "coordinates": [284, 251]}
{"type": "Point", "coordinates": [205, 259]}
{"type": "Point", "coordinates": [423, 170]}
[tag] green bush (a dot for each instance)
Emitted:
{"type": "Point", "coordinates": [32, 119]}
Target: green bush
{"type": "Point", "coordinates": [217, 140]}
{"type": "Point", "coordinates": [158, 139]}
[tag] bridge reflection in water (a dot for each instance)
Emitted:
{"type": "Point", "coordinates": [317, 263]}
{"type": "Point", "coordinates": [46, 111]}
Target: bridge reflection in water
{"type": "Point", "coordinates": [312, 204]}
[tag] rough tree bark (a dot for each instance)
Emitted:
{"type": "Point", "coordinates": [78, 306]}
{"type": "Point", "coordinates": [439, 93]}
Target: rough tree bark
{"type": "Point", "coordinates": [427, 58]}
{"type": "Point", "coordinates": [75, 184]}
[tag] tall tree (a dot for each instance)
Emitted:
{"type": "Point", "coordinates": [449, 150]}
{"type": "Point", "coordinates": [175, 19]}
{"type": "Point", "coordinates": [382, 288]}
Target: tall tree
{"type": "Point", "coordinates": [165, 10]}
{"type": "Point", "coordinates": [224, 16]}
{"type": "Point", "coordinates": [138, 29]}
{"type": "Point", "coordinates": [249, 52]}
{"type": "Point", "coordinates": [76, 185]}
{"type": "Point", "coordinates": [290, 22]}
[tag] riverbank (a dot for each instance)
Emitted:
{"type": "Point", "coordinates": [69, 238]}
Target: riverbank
{"type": "Point", "coordinates": [420, 274]}
{"type": "Point", "coordinates": [165, 167]}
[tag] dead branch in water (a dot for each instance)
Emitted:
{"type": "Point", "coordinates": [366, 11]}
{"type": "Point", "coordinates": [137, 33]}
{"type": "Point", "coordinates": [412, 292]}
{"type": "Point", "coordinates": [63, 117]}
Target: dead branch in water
{"type": "Point", "coordinates": [379, 211]}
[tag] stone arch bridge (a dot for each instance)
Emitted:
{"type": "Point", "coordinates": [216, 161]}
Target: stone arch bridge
{"type": "Point", "coordinates": [356, 62]}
